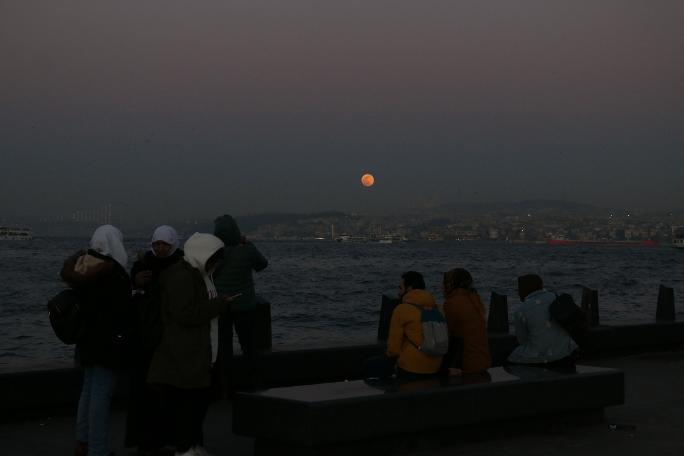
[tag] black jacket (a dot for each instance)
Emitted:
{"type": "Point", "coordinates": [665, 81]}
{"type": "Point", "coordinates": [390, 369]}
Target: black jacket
{"type": "Point", "coordinates": [104, 288]}
{"type": "Point", "coordinates": [148, 261]}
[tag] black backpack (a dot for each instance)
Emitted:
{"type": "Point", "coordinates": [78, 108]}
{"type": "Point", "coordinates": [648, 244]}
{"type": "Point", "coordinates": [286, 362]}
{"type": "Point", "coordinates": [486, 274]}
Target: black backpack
{"type": "Point", "coordinates": [66, 317]}
{"type": "Point", "coordinates": [570, 317]}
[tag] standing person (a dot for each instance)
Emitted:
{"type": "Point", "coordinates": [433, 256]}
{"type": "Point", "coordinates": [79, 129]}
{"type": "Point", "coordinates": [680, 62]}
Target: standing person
{"type": "Point", "coordinates": [182, 362]}
{"type": "Point", "coordinates": [99, 276]}
{"type": "Point", "coordinates": [406, 330]}
{"type": "Point", "coordinates": [145, 424]}
{"type": "Point", "coordinates": [234, 278]}
{"type": "Point", "coordinates": [542, 341]}
{"type": "Point", "coordinates": [465, 316]}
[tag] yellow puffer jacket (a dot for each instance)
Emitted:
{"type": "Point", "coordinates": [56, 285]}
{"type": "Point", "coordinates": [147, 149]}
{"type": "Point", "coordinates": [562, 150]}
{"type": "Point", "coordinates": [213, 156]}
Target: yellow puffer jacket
{"type": "Point", "coordinates": [406, 325]}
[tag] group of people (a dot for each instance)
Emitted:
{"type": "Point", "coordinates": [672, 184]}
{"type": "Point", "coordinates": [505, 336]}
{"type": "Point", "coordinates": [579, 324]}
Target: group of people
{"type": "Point", "coordinates": [169, 324]}
{"type": "Point", "coordinates": [542, 341]}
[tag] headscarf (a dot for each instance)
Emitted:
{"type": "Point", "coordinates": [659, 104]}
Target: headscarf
{"type": "Point", "coordinates": [457, 278]}
{"type": "Point", "coordinates": [198, 249]}
{"type": "Point", "coordinates": [108, 240]}
{"type": "Point", "coordinates": [166, 234]}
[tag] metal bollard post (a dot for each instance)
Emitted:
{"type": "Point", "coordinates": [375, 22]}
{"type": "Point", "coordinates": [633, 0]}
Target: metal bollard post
{"type": "Point", "coordinates": [263, 339]}
{"type": "Point", "coordinates": [666, 308]}
{"type": "Point", "coordinates": [386, 308]}
{"type": "Point", "coordinates": [497, 320]}
{"type": "Point", "coordinates": [590, 305]}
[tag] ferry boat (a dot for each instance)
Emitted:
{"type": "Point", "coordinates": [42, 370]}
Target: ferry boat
{"type": "Point", "coordinates": [391, 238]}
{"type": "Point", "coordinates": [15, 234]}
{"type": "Point", "coordinates": [349, 238]}
{"type": "Point", "coordinates": [678, 237]}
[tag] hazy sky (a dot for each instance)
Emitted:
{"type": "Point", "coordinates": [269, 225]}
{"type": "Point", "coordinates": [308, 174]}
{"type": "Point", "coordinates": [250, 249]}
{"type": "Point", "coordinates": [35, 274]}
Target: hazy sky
{"type": "Point", "coordinates": [200, 107]}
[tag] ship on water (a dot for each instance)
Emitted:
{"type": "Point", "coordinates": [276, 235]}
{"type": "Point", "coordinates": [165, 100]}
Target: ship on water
{"type": "Point", "coordinates": [15, 234]}
{"type": "Point", "coordinates": [678, 237]}
{"type": "Point", "coordinates": [638, 243]}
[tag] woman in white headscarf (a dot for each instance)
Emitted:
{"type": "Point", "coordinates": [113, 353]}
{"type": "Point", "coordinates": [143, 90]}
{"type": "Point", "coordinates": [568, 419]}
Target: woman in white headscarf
{"type": "Point", "coordinates": [163, 252]}
{"type": "Point", "coordinates": [182, 362]}
{"type": "Point", "coordinates": [100, 279]}
{"type": "Point", "coordinates": [145, 422]}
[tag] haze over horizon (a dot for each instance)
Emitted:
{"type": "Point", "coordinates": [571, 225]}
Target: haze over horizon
{"type": "Point", "coordinates": [183, 108]}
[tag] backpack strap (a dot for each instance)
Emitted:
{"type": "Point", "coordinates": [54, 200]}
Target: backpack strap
{"type": "Point", "coordinates": [420, 309]}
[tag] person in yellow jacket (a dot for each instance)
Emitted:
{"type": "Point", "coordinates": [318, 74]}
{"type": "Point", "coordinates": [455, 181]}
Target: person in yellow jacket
{"type": "Point", "coordinates": [406, 330]}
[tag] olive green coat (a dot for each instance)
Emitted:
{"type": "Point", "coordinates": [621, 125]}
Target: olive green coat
{"type": "Point", "coordinates": [183, 357]}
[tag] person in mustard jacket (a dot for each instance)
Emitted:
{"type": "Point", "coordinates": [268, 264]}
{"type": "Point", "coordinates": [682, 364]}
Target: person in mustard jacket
{"type": "Point", "coordinates": [406, 330]}
{"type": "Point", "coordinates": [465, 316]}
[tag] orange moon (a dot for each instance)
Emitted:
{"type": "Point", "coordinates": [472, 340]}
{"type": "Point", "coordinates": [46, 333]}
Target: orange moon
{"type": "Point", "coordinates": [367, 180]}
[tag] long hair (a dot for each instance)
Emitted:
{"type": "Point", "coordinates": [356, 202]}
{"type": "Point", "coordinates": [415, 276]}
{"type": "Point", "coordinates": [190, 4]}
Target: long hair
{"type": "Point", "coordinates": [457, 278]}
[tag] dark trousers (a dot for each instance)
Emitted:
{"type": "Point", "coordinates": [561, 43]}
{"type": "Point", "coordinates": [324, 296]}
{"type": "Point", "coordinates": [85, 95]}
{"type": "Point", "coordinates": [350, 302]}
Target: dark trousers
{"type": "Point", "coordinates": [379, 367]}
{"type": "Point", "coordinates": [146, 425]}
{"type": "Point", "coordinates": [186, 410]}
{"type": "Point", "coordinates": [245, 323]}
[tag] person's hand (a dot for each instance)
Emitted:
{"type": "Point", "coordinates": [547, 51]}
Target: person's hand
{"type": "Point", "coordinates": [228, 298]}
{"type": "Point", "coordinates": [142, 278]}
{"type": "Point", "coordinates": [454, 372]}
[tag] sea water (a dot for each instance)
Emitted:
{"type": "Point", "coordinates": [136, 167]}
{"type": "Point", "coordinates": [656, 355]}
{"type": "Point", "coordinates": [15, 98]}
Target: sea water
{"type": "Point", "coordinates": [325, 293]}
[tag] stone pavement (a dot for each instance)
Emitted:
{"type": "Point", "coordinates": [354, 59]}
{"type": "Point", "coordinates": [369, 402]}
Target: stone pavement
{"type": "Point", "coordinates": [651, 423]}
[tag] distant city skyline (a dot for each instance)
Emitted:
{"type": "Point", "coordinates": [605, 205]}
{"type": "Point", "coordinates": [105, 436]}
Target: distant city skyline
{"type": "Point", "coordinates": [170, 109]}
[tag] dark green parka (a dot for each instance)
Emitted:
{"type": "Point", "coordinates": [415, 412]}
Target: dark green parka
{"type": "Point", "coordinates": [183, 358]}
{"type": "Point", "coordinates": [234, 275]}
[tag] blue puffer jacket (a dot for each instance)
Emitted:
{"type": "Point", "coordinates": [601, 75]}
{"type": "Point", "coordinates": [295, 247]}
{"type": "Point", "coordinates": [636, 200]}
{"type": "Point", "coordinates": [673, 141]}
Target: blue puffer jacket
{"type": "Point", "coordinates": [541, 339]}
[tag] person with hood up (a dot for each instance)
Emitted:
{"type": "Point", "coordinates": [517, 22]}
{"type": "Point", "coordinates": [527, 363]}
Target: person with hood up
{"type": "Point", "coordinates": [406, 330]}
{"type": "Point", "coordinates": [465, 316]}
{"type": "Point", "coordinates": [182, 362]}
{"type": "Point", "coordinates": [234, 278]}
{"type": "Point", "coordinates": [99, 277]}
{"type": "Point", "coordinates": [145, 424]}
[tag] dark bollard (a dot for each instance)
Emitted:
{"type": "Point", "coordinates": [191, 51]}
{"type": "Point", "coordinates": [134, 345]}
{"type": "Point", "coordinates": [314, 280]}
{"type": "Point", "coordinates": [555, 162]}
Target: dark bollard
{"type": "Point", "coordinates": [386, 309]}
{"type": "Point", "coordinates": [497, 321]}
{"type": "Point", "coordinates": [666, 308]}
{"type": "Point", "coordinates": [262, 324]}
{"type": "Point", "coordinates": [590, 305]}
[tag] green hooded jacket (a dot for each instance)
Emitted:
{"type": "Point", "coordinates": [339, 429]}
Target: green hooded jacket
{"type": "Point", "coordinates": [234, 275]}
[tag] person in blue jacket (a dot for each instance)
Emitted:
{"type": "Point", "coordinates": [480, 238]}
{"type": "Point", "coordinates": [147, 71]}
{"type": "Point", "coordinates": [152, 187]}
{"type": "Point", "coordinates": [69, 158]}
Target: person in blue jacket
{"type": "Point", "coordinates": [543, 342]}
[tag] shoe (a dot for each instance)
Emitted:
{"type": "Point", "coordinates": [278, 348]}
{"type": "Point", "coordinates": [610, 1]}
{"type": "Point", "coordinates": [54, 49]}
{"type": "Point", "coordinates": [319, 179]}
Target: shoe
{"type": "Point", "coordinates": [201, 451]}
{"type": "Point", "coordinates": [81, 448]}
{"type": "Point", "coordinates": [190, 452]}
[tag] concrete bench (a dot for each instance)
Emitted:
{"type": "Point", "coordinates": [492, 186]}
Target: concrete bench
{"type": "Point", "coordinates": [322, 418]}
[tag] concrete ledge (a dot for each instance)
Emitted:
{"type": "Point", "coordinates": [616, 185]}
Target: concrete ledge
{"type": "Point", "coordinates": [29, 393]}
{"type": "Point", "coordinates": [321, 415]}
{"type": "Point", "coordinates": [47, 390]}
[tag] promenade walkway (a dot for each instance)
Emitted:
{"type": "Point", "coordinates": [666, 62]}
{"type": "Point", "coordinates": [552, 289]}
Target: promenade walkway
{"type": "Point", "coordinates": [650, 423]}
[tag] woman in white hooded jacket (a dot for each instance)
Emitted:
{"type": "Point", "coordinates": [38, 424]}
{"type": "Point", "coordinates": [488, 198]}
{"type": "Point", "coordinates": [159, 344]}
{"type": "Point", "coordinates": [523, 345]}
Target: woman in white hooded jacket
{"type": "Point", "coordinates": [182, 362]}
{"type": "Point", "coordinates": [99, 278]}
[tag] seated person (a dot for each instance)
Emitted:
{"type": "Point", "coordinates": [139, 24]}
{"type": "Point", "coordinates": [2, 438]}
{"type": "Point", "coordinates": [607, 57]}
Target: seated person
{"type": "Point", "coordinates": [542, 341]}
{"type": "Point", "coordinates": [465, 316]}
{"type": "Point", "coordinates": [406, 330]}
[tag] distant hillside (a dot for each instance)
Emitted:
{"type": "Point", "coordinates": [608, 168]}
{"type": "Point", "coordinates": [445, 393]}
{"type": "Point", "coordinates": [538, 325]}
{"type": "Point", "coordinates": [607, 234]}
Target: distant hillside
{"type": "Point", "coordinates": [539, 205]}
{"type": "Point", "coordinates": [251, 222]}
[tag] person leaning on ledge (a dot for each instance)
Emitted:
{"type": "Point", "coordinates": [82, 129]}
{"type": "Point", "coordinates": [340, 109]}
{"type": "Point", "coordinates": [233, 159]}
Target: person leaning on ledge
{"type": "Point", "coordinates": [542, 341]}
